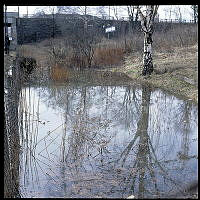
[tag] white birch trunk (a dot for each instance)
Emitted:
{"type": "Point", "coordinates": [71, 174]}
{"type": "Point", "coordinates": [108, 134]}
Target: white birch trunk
{"type": "Point", "coordinates": [147, 57]}
{"type": "Point", "coordinates": [147, 28]}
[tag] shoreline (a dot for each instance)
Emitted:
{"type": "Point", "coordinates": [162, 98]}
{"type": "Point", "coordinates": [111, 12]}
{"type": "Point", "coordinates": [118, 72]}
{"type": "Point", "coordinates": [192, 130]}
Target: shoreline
{"type": "Point", "coordinates": [170, 74]}
{"type": "Point", "coordinates": [175, 72]}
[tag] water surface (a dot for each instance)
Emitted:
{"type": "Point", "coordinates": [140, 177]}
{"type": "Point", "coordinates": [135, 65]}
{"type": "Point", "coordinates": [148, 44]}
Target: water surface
{"type": "Point", "coordinates": [85, 138]}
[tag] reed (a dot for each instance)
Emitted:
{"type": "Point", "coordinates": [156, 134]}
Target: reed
{"type": "Point", "coordinates": [59, 73]}
{"type": "Point", "coordinates": [108, 55]}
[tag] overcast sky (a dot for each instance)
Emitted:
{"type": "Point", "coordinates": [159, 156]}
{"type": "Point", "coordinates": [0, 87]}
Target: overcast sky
{"type": "Point", "coordinates": [163, 11]}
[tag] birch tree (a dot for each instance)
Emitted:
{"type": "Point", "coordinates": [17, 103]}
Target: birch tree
{"type": "Point", "coordinates": [147, 19]}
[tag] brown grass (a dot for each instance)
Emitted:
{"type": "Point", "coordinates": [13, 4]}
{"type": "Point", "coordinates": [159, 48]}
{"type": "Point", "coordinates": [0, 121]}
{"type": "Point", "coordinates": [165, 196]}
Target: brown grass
{"type": "Point", "coordinates": [175, 72]}
{"type": "Point", "coordinates": [108, 56]}
{"type": "Point", "coordinates": [39, 53]}
{"type": "Point", "coordinates": [178, 36]}
{"type": "Point", "coordinates": [58, 73]}
{"type": "Point", "coordinates": [174, 57]}
{"type": "Point", "coordinates": [109, 52]}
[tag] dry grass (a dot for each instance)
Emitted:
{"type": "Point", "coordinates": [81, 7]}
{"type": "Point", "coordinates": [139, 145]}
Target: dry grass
{"type": "Point", "coordinates": [175, 72]}
{"type": "Point", "coordinates": [58, 73]}
{"type": "Point", "coordinates": [108, 56]}
{"type": "Point", "coordinates": [40, 54]}
{"type": "Point", "coordinates": [174, 57]}
{"type": "Point", "coordinates": [178, 36]}
{"type": "Point", "coordinates": [107, 53]}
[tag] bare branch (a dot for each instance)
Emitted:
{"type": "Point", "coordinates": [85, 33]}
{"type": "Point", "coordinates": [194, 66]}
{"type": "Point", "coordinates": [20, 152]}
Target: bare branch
{"type": "Point", "coordinates": [155, 10]}
{"type": "Point", "coordinates": [143, 19]}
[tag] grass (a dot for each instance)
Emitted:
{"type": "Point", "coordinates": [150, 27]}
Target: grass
{"type": "Point", "coordinates": [108, 56]}
{"type": "Point", "coordinates": [107, 53]}
{"type": "Point", "coordinates": [39, 53]}
{"type": "Point", "coordinates": [59, 73]}
{"type": "Point", "coordinates": [175, 72]}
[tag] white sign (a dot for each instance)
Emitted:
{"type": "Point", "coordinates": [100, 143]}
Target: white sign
{"type": "Point", "coordinates": [110, 29]}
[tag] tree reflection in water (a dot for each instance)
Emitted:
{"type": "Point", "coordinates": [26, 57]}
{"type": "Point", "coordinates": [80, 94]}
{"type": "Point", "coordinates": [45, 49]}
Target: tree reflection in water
{"type": "Point", "coordinates": [112, 141]}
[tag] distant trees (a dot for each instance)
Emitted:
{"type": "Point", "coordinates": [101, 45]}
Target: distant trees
{"type": "Point", "coordinates": [132, 15]}
{"type": "Point", "coordinates": [147, 19]}
{"type": "Point", "coordinates": [45, 10]}
{"type": "Point", "coordinates": [80, 11]}
{"type": "Point", "coordinates": [100, 10]}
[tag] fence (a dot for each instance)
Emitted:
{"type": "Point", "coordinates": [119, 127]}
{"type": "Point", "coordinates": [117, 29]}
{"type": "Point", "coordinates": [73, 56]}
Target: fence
{"type": "Point", "coordinates": [175, 21]}
{"type": "Point", "coordinates": [12, 87]}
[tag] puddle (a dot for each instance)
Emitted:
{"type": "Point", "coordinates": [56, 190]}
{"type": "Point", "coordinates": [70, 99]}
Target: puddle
{"type": "Point", "coordinates": [89, 140]}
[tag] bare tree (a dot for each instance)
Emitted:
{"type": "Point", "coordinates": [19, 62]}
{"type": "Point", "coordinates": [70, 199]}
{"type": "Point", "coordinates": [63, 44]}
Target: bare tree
{"type": "Point", "coordinates": [173, 11]}
{"type": "Point", "coordinates": [100, 10]}
{"type": "Point", "coordinates": [45, 10]}
{"type": "Point", "coordinates": [180, 14]}
{"type": "Point", "coordinates": [195, 12]}
{"type": "Point", "coordinates": [132, 16]}
{"type": "Point", "coordinates": [147, 19]}
{"type": "Point", "coordinates": [176, 10]}
{"type": "Point", "coordinates": [130, 10]}
{"type": "Point", "coordinates": [115, 10]}
{"type": "Point", "coordinates": [66, 9]}
{"type": "Point", "coordinates": [82, 11]}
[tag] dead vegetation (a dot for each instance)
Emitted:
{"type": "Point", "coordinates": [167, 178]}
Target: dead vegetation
{"type": "Point", "coordinates": [175, 72]}
{"type": "Point", "coordinates": [174, 57]}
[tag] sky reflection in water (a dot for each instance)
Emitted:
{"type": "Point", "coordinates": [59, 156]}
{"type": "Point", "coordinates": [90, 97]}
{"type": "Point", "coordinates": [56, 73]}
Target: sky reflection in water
{"type": "Point", "coordinates": [106, 141]}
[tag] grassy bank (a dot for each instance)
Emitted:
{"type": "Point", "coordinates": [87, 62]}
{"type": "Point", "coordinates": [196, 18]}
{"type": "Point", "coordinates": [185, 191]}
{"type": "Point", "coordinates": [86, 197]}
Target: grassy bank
{"type": "Point", "coordinates": [174, 57]}
{"type": "Point", "coordinates": [175, 72]}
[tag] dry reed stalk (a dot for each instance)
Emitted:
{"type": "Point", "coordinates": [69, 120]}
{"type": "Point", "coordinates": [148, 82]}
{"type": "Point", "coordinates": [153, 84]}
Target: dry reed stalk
{"type": "Point", "coordinates": [108, 56]}
{"type": "Point", "coordinates": [59, 73]}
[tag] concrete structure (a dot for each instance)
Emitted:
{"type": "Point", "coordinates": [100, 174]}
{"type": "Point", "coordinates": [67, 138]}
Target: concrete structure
{"type": "Point", "coordinates": [10, 28]}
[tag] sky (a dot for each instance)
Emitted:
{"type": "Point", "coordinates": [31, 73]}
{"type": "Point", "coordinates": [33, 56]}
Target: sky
{"type": "Point", "coordinates": [163, 11]}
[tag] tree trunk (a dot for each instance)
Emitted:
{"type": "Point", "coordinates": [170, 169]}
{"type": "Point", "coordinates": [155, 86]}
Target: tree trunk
{"type": "Point", "coordinates": [147, 27]}
{"type": "Point", "coordinates": [147, 58]}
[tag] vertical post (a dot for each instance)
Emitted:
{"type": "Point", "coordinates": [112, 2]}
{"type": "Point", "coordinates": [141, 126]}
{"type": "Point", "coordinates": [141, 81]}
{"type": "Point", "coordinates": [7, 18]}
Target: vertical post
{"type": "Point", "coordinates": [5, 22]}
{"type": "Point", "coordinates": [109, 12]}
{"type": "Point", "coordinates": [5, 27]}
{"type": "Point", "coordinates": [27, 11]}
{"type": "Point", "coordinates": [53, 24]}
{"type": "Point", "coordinates": [18, 11]}
{"type": "Point", "coordinates": [195, 12]}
